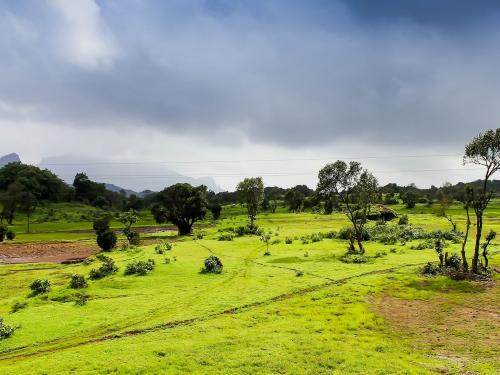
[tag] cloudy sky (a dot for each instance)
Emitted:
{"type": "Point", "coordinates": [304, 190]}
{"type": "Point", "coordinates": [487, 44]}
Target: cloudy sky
{"type": "Point", "coordinates": [234, 88]}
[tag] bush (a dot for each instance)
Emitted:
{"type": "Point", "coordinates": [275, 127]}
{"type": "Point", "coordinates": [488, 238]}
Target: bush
{"type": "Point", "coordinates": [40, 286]}
{"type": "Point", "coordinates": [430, 269]}
{"type": "Point", "coordinates": [226, 237]}
{"type": "Point", "coordinates": [212, 265]}
{"type": "Point", "coordinates": [108, 267]}
{"type": "Point", "coordinates": [81, 299]}
{"type": "Point", "coordinates": [353, 258]}
{"type": "Point", "coordinates": [199, 234]}
{"type": "Point", "coordinates": [299, 273]}
{"type": "Point", "coordinates": [454, 262]}
{"type": "Point", "coordinates": [403, 220]}
{"type": "Point", "coordinates": [140, 267]}
{"type": "Point", "coordinates": [106, 240]}
{"type": "Point", "coordinates": [3, 231]}
{"type": "Point", "coordinates": [78, 282]}
{"type": "Point", "coordinates": [162, 247]}
{"type": "Point", "coordinates": [10, 235]}
{"type": "Point", "coordinates": [275, 241]}
{"type": "Point", "coordinates": [134, 238]}
{"type": "Point", "coordinates": [348, 233]}
{"type": "Point", "coordinates": [5, 330]}
{"type": "Point", "coordinates": [288, 240]}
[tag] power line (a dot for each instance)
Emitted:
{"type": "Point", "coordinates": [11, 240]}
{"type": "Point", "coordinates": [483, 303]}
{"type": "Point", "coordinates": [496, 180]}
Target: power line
{"type": "Point", "coordinates": [352, 157]}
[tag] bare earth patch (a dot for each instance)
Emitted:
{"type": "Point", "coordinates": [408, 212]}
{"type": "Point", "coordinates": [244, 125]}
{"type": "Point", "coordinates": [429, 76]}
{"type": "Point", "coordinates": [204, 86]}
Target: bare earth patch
{"type": "Point", "coordinates": [456, 327]}
{"type": "Point", "coordinates": [55, 252]}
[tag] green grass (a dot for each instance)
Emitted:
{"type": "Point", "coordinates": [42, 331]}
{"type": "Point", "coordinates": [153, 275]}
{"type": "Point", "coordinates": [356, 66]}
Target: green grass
{"type": "Point", "coordinates": [255, 317]}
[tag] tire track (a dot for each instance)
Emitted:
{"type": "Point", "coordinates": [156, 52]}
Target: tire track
{"type": "Point", "coordinates": [11, 355]}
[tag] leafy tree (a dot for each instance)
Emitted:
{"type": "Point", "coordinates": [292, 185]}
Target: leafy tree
{"type": "Point", "coordinates": [483, 150]}
{"type": "Point", "coordinates": [294, 199]}
{"type": "Point", "coordinates": [251, 193]}
{"type": "Point", "coordinates": [216, 209]}
{"type": "Point", "coordinates": [128, 219]}
{"type": "Point", "coordinates": [106, 238]}
{"type": "Point", "coordinates": [355, 187]}
{"type": "Point", "coordinates": [181, 204]}
{"type": "Point", "coordinates": [28, 205]}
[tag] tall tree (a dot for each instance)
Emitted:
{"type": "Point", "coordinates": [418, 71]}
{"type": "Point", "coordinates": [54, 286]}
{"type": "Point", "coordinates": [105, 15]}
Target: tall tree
{"type": "Point", "coordinates": [355, 187]}
{"type": "Point", "coordinates": [483, 150]}
{"type": "Point", "coordinates": [28, 204]}
{"type": "Point", "coordinates": [181, 204]}
{"type": "Point", "coordinates": [251, 192]}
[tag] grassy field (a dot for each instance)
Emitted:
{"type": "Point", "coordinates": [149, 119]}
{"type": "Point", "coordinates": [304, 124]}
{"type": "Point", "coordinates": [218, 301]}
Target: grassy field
{"type": "Point", "coordinates": [299, 310]}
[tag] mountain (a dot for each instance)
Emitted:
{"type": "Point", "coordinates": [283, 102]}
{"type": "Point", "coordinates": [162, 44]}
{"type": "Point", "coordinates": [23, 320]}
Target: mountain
{"type": "Point", "coordinates": [10, 158]}
{"type": "Point", "coordinates": [131, 177]}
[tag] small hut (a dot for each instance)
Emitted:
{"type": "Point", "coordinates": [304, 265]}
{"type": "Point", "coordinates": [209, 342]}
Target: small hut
{"type": "Point", "coordinates": [381, 212]}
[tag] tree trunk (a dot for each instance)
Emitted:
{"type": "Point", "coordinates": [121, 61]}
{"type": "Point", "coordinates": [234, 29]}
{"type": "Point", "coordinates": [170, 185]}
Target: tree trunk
{"type": "Point", "coordinates": [184, 228]}
{"type": "Point", "coordinates": [359, 239]}
{"type": "Point", "coordinates": [464, 243]}
{"type": "Point", "coordinates": [477, 245]}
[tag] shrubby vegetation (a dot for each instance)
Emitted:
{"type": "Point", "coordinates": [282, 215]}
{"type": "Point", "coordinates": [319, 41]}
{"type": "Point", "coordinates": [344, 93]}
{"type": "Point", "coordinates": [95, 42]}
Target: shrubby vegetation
{"type": "Point", "coordinates": [40, 286]}
{"type": "Point", "coordinates": [212, 265]}
{"type": "Point", "coordinates": [140, 267]}
{"type": "Point", "coordinates": [107, 267]}
{"type": "Point", "coordinates": [5, 330]}
{"type": "Point", "coordinates": [78, 282]}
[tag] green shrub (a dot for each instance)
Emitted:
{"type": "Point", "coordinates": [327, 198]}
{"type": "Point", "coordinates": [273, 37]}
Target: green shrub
{"type": "Point", "coordinates": [81, 299]}
{"type": "Point", "coordinates": [77, 282]}
{"type": "Point", "coordinates": [212, 265]}
{"type": "Point", "coordinates": [134, 238]}
{"type": "Point", "coordinates": [454, 262]}
{"type": "Point", "coordinates": [162, 247]}
{"type": "Point", "coordinates": [5, 330]}
{"type": "Point", "coordinates": [226, 237]}
{"type": "Point", "coordinates": [403, 220]}
{"type": "Point", "coordinates": [108, 267]}
{"type": "Point", "coordinates": [275, 241]}
{"type": "Point", "coordinates": [430, 269]}
{"type": "Point", "coordinates": [40, 286]}
{"type": "Point", "coordinates": [288, 240]}
{"type": "Point", "coordinates": [299, 273]}
{"type": "Point", "coordinates": [10, 235]}
{"type": "Point", "coordinates": [353, 258]}
{"type": "Point", "coordinates": [106, 240]}
{"type": "Point", "coordinates": [140, 267]}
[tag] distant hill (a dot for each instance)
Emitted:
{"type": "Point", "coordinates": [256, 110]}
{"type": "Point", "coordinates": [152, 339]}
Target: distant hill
{"type": "Point", "coordinates": [10, 158]}
{"type": "Point", "coordinates": [132, 177]}
{"type": "Point", "coordinates": [128, 192]}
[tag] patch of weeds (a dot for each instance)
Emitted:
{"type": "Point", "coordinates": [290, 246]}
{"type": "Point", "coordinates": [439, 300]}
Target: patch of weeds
{"type": "Point", "coordinates": [81, 299]}
{"type": "Point", "coordinates": [288, 240]}
{"type": "Point", "coordinates": [353, 258]}
{"type": "Point", "coordinates": [166, 260]}
{"type": "Point", "coordinates": [162, 247]}
{"type": "Point", "coordinates": [226, 237]}
{"type": "Point", "coordinates": [299, 273]}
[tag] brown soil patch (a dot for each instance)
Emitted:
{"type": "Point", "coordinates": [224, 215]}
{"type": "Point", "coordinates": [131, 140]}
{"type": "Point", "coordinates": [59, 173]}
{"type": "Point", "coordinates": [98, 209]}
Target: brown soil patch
{"type": "Point", "coordinates": [454, 327]}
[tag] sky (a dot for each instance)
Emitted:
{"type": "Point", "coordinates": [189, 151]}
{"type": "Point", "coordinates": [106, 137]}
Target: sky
{"type": "Point", "coordinates": [239, 88]}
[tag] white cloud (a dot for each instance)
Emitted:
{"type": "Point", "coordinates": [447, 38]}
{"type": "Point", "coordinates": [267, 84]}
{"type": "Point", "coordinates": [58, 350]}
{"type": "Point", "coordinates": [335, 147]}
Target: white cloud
{"type": "Point", "coordinates": [85, 41]}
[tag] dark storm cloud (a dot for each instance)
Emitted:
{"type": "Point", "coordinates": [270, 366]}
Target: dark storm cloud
{"type": "Point", "coordinates": [285, 72]}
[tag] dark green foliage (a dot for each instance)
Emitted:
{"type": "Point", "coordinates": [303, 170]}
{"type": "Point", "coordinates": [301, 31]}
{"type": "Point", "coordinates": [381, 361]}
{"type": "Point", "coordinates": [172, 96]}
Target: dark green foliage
{"type": "Point", "coordinates": [40, 286]}
{"type": "Point", "coordinates": [212, 265]}
{"type": "Point", "coordinates": [403, 220]}
{"type": "Point", "coordinates": [353, 258]}
{"type": "Point", "coordinates": [101, 224]}
{"type": "Point", "coordinates": [134, 238]}
{"type": "Point", "coordinates": [107, 240]}
{"type": "Point", "coordinates": [226, 237]}
{"type": "Point", "coordinates": [108, 267]}
{"type": "Point", "coordinates": [162, 247]}
{"type": "Point", "coordinates": [3, 231]}
{"type": "Point", "coordinates": [81, 299]}
{"type": "Point", "coordinates": [5, 330]}
{"type": "Point", "coordinates": [430, 269]}
{"type": "Point", "coordinates": [216, 209]}
{"type": "Point", "coordinates": [18, 306]}
{"type": "Point", "coordinates": [299, 273]}
{"type": "Point", "coordinates": [10, 235]}
{"type": "Point", "coordinates": [181, 204]}
{"type": "Point", "coordinates": [77, 282]}
{"type": "Point", "coordinates": [140, 267]}
{"type": "Point", "coordinates": [288, 240]}
{"type": "Point", "coordinates": [251, 193]}
{"type": "Point", "coordinates": [454, 262]}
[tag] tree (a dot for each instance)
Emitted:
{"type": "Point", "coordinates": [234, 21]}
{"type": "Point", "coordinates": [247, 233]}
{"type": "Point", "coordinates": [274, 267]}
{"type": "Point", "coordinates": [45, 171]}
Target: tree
{"type": "Point", "coordinates": [181, 204]}
{"type": "Point", "coordinates": [294, 199]}
{"type": "Point", "coordinates": [483, 150]}
{"type": "Point", "coordinates": [216, 209]}
{"type": "Point", "coordinates": [489, 237]}
{"type": "Point", "coordinates": [251, 192]}
{"type": "Point", "coordinates": [106, 238]}
{"type": "Point", "coordinates": [468, 201]}
{"type": "Point", "coordinates": [28, 204]}
{"type": "Point", "coordinates": [355, 187]}
{"type": "Point", "coordinates": [128, 219]}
